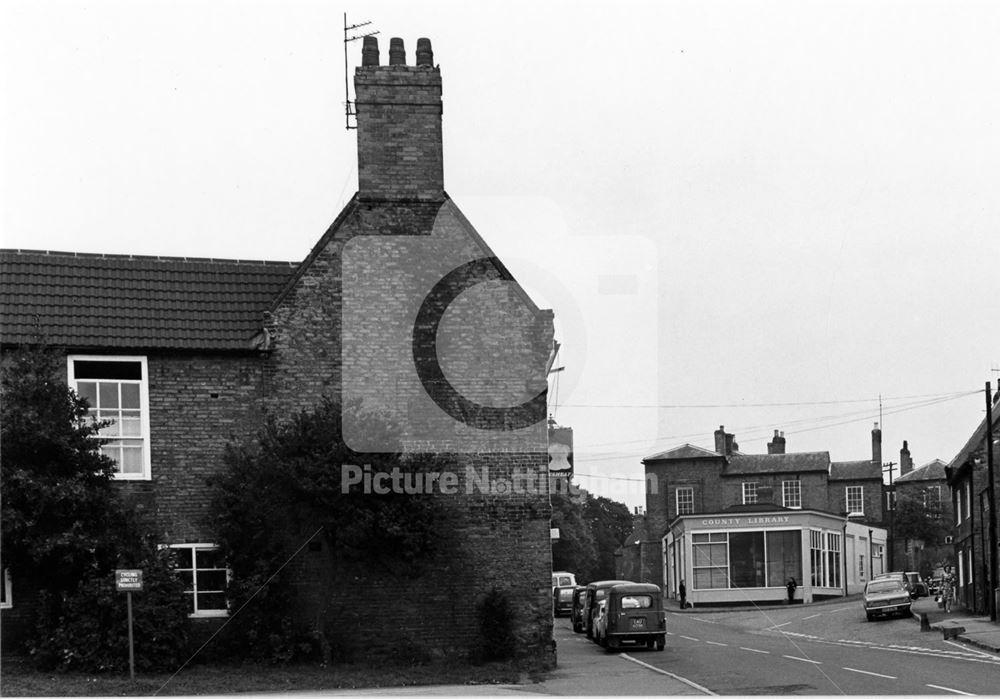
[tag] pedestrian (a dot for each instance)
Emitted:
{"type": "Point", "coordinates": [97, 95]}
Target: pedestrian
{"type": "Point", "coordinates": [790, 586]}
{"type": "Point", "coordinates": [947, 589]}
{"type": "Point", "coordinates": [682, 589]}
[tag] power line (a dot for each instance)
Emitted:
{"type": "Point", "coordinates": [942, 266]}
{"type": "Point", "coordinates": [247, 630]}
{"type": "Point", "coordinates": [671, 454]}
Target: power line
{"type": "Point", "coordinates": [866, 416]}
{"type": "Point", "coordinates": [638, 406]}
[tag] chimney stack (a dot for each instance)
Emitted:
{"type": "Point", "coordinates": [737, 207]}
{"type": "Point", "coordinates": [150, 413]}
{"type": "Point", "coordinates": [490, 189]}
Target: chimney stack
{"type": "Point", "coordinates": [725, 443]}
{"type": "Point", "coordinates": [777, 445]}
{"type": "Point", "coordinates": [905, 461]}
{"type": "Point", "coordinates": [399, 110]}
{"type": "Point", "coordinates": [877, 445]}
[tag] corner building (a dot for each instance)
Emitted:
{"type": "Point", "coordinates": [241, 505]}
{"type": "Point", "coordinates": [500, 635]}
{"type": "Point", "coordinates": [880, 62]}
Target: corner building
{"type": "Point", "coordinates": [195, 351]}
{"type": "Point", "coordinates": [736, 527]}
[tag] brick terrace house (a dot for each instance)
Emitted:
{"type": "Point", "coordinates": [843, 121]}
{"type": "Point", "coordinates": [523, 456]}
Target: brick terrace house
{"type": "Point", "coordinates": [967, 475]}
{"type": "Point", "coordinates": [187, 353]}
{"type": "Point", "coordinates": [736, 526]}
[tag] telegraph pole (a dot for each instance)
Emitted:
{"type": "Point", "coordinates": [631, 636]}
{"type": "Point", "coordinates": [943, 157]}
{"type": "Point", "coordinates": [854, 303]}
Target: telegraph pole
{"type": "Point", "coordinates": [888, 466]}
{"type": "Point", "coordinates": [992, 503]}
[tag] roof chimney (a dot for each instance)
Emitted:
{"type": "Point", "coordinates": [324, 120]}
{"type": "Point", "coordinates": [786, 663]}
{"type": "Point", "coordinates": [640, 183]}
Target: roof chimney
{"type": "Point", "coordinates": [399, 124]}
{"type": "Point", "coordinates": [725, 443]}
{"type": "Point", "coordinates": [877, 445]}
{"type": "Point", "coordinates": [905, 461]}
{"type": "Point", "coordinates": [777, 445]}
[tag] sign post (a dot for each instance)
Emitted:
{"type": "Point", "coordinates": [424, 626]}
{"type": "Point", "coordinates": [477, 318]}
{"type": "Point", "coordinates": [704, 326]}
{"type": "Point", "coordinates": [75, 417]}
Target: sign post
{"type": "Point", "coordinates": [129, 581]}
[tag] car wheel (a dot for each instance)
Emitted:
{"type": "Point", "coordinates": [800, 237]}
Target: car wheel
{"type": "Point", "coordinates": [651, 643]}
{"type": "Point", "coordinates": [660, 644]}
{"type": "Point", "coordinates": [868, 614]}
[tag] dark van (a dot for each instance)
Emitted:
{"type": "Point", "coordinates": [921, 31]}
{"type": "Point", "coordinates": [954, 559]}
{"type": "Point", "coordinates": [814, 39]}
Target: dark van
{"type": "Point", "coordinates": [595, 595]}
{"type": "Point", "coordinates": [632, 613]}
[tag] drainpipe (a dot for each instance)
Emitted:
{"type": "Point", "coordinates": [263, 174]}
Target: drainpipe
{"type": "Point", "coordinates": [843, 555]}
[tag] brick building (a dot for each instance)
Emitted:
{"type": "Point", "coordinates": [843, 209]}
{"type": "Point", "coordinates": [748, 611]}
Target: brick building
{"type": "Point", "coordinates": [967, 476]}
{"type": "Point", "coordinates": [927, 486]}
{"type": "Point", "coordinates": [759, 519]}
{"type": "Point", "coordinates": [189, 353]}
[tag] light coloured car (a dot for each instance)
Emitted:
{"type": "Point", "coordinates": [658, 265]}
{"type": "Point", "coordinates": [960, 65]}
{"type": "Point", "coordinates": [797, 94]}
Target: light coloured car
{"type": "Point", "coordinates": [884, 597]}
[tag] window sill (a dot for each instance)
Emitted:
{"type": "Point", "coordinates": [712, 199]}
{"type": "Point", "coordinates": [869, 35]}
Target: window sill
{"type": "Point", "coordinates": [209, 615]}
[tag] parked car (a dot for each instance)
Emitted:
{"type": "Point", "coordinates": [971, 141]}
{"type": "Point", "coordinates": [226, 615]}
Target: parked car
{"type": "Point", "coordinates": [562, 600]}
{"type": "Point", "coordinates": [897, 575]}
{"type": "Point", "coordinates": [631, 613]}
{"type": "Point", "coordinates": [884, 597]}
{"type": "Point", "coordinates": [579, 605]}
{"type": "Point", "coordinates": [596, 591]}
{"type": "Point", "coordinates": [918, 588]}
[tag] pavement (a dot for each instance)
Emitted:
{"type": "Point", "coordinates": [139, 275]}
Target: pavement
{"type": "Point", "coordinates": [583, 668]}
{"type": "Point", "coordinates": [959, 624]}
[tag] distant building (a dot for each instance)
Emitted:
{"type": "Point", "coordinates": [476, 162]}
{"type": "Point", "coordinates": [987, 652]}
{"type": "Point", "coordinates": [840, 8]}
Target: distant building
{"type": "Point", "coordinates": [928, 487]}
{"type": "Point", "coordinates": [735, 527]}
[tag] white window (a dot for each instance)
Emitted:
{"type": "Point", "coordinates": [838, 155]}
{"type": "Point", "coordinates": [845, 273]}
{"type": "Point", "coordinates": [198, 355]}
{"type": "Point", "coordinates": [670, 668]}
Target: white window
{"type": "Point", "coordinates": [205, 576]}
{"type": "Point", "coordinates": [932, 498]}
{"type": "Point", "coordinates": [6, 601]}
{"type": "Point", "coordinates": [117, 391]}
{"type": "Point", "coordinates": [791, 494]}
{"type": "Point", "coordinates": [749, 493]}
{"type": "Point", "coordinates": [855, 496]}
{"type": "Point", "coordinates": [711, 561]}
{"type": "Point", "coordinates": [685, 501]}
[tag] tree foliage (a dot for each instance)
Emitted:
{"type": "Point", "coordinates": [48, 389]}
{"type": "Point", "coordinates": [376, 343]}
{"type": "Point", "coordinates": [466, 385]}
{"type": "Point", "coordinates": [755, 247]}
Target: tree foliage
{"type": "Point", "coordinates": [913, 519]}
{"type": "Point", "coordinates": [610, 523]}
{"type": "Point", "coordinates": [66, 528]}
{"type": "Point", "coordinates": [288, 485]}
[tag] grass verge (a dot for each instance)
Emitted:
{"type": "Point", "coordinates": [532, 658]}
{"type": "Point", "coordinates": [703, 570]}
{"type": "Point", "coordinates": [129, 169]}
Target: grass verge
{"type": "Point", "coordinates": [21, 679]}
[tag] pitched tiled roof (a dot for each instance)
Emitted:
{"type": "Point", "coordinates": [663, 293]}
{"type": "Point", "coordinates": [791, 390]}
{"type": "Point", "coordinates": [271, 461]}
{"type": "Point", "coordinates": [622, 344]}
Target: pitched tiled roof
{"type": "Point", "coordinates": [687, 451]}
{"type": "Point", "coordinates": [933, 471]}
{"type": "Point", "coordinates": [124, 301]}
{"type": "Point", "coordinates": [855, 471]}
{"type": "Point", "coordinates": [778, 463]}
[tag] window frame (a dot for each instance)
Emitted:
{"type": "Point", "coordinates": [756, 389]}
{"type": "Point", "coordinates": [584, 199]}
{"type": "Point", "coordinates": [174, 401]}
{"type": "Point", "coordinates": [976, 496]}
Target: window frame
{"type": "Point", "coordinates": [195, 612]}
{"type": "Point", "coordinates": [687, 490]}
{"type": "Point", "coordinates": [749, 492]}
{"type": "Point", "coordinates": [785, 494]}
{"type": "Point", "coordinates": [143, 383]}
{"type": "Point", "coordinates": [8, 589]}
{"type": "Point", "coordinates": [860, 497]}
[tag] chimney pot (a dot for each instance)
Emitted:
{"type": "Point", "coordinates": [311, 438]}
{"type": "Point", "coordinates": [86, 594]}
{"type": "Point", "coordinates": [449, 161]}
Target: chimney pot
{"type": "Point", "coordinates": [397, 54]}
{"type": "Point", "coordinates": [369, 51]}
{"type": "Point", "coordinates": [425, 56]}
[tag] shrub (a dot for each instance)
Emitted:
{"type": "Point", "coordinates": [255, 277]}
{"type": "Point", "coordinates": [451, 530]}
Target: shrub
{"type": "Point", "coordinates": [496, 625]}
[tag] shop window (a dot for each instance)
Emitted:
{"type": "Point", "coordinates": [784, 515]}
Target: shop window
{"type": "Point", "coordinates": [116, 391]}
{"type": "Point", "coordinates": [791, 494]}
{"type": "Point", "coordinates": [784, 557]}
{"type": "Point", "coordinates": [746, 559]}
{"type": "Point", "coordinates": [855, 496]}
{"type": "Point", "coordinates": [204, 573]}
{"type": "Point", "coordinates": [833, 559]}
{"type": "Point", "coordinates": [817, 561]}
{"type": "Point", "coordinates": [685, 501]}
{"type": "Point", "coordinates": [711, 561]}
{"type": "Point", "coordinates": [749, 493]}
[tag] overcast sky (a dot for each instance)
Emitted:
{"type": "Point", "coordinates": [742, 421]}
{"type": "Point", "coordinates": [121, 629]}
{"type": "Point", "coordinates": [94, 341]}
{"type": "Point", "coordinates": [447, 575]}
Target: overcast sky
{"type": "Point", "coordinates": [758, 214]}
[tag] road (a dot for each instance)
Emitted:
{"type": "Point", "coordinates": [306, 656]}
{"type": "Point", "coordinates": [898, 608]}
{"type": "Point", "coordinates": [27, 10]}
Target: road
{"type": "Point", "coordinates": [820, 649]}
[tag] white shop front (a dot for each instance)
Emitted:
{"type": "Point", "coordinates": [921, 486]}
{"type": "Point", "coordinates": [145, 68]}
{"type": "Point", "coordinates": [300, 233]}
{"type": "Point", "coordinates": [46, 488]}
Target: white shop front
{"type": "Point", "coordinates": [748, 557]}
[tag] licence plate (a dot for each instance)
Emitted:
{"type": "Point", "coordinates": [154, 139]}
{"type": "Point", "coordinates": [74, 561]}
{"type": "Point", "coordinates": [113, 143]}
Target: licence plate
{"type": "Point", "coordinates": [639, 623]}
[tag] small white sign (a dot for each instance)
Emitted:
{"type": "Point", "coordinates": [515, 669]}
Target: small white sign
{"type": "Point", "coordinates": [554, 533]}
